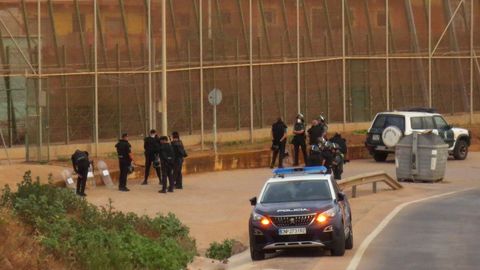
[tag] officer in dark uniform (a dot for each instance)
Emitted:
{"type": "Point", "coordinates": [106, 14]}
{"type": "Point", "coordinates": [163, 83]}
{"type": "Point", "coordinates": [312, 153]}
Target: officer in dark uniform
{"type": "Point", "coordinates": [327, 156]}
{"type": "Point", "coordinates": [338, 161]}
{"type": "Point", "coordinates": [180, 154]}
{"type": "Point", "coordinates": [315, 157]}
{"type": "Point", "coordinates": [80, 166]}
{"type": "Point", "coordinates": [322, 122]}
{"type": "Point", "coordinates": [299, 138]}
{"type": "Point", "coordinates": [151, 146]}
{"type": "Point", "coordinates": [314, 133]}
{"type": "Point", "coordinates": [125, 159]}
{"type": "Point", "coordinates": [167, 156]}
{"type": "Point", "coordinates": [279, 139]}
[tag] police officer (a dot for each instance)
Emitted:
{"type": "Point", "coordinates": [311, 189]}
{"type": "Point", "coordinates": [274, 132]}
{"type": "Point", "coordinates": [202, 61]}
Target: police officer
{"type": "Point", "coordinates": [80, 164]}
{"type": "Point", "coordinates": [279, 139]}
{"type": "Point", "coordinates": [322, 122]}
{"type": "Point", "coordinates": [180, 154]}
{"type": "Point", "coordinates": [314, 133]}
{"type": "Point", "coordinates": [338, 161]}
{"type": "Point", "coordinates": [327, 156]}
{"type": "Point", "coordinates": [125, 159]}
{"type": "Point", "coordinates": [315, 157]}
{"type": "Point", "coordinates": [167, 156]}
{"type": "Point", "coordinates": [299, 138]}
{"type": "Point", "coordinates": [151, 146]}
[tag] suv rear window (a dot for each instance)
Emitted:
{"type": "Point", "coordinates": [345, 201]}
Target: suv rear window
{"type": "Point", "coordinates": [385, 120]}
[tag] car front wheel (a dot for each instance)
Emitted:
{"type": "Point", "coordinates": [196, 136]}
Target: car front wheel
{"type": "Point", "coordinates": [349, 241]}
{"type": "Point", "coordinates": [460, 152]}
{"type": "Point", "coordinates": [338, 248]}
{"type": "Point", "coordinates": [256, 255]}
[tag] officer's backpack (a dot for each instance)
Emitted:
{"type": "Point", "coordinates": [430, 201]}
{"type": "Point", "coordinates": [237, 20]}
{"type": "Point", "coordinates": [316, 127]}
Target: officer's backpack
{"type": "Point", "coordinates": [342, 143]}
{"type": "Point", "coordinates": [80, 156]}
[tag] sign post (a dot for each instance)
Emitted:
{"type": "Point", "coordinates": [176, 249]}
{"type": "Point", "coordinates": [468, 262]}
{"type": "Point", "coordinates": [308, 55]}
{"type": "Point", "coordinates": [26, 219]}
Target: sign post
{"type": "Point", "coordinates": [5, 147]}
{"type": "Point", "coordinates": [215, 98]}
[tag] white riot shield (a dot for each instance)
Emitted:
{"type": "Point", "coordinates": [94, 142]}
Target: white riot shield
{"type": "Point", "coordinates": [68, 178]}
{"type": "Point", "coordinates": [91, 176]}
{"type": "Point", "coordinates": [105, 173]}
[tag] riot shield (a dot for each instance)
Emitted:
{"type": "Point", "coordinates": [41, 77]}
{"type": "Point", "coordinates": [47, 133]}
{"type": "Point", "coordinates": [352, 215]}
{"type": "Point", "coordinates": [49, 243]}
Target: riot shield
{"type": "Point", "coordinates": [105, 173]}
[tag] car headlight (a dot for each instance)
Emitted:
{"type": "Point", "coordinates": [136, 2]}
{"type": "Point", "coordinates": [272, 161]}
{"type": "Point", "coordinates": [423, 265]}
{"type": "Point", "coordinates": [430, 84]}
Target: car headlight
{"type": "Point", "coordinates": [324, 216]}
{"type": "Point", "coordinates": [262, 219]}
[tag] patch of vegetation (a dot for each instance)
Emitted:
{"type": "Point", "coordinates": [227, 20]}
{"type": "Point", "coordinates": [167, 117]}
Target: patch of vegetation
{"type": "Point", "coordinates": [220, 251]}
{"type": "Point", "coordinates": [359, 132]}
{"type": "Point", "coordinates": [64, 159]}
{"type": "Point", "coordinates": [112, 155]}
{"type": "Point", "coordinates": [87, 237]}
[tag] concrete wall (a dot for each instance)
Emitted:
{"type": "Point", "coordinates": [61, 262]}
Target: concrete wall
{"type": "Point", "coordinates": [105, 148]}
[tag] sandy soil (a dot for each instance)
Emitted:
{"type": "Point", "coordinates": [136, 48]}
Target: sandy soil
{"type": "Point", "coordinates": [13, 174]}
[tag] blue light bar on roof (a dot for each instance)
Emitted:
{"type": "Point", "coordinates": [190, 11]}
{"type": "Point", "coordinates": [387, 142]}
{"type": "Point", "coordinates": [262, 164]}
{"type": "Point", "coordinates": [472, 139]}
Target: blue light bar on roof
{"type": "Point", "coordinates": [305, 170]}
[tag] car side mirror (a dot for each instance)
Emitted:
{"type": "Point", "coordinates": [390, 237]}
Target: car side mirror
{"type": "Point", "coordinates": [341, 196]}
{"type": "Point", "coordinates": [253, 201]}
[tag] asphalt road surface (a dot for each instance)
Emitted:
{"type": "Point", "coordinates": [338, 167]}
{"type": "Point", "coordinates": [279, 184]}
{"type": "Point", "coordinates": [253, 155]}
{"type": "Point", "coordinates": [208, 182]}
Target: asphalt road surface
{"type": "Point", "coordinates": [442, 233]}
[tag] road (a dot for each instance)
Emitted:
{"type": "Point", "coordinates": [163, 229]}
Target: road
{"type": "Point", "coordinates": [436, 234]}
{"type": "Point", "coordinates": [453, 217]}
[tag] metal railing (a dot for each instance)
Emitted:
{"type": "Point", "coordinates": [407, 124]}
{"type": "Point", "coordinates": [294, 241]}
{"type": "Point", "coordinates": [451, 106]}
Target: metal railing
{"type": "Point", "coordinates": [369, 178]}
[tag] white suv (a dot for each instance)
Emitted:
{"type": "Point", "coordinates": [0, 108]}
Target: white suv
{"type": "Point", "coordinates": [405, 122]}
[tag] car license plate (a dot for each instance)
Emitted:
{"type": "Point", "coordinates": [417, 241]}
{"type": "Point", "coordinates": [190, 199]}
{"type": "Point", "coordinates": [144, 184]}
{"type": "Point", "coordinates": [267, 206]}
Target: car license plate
{"type": "Point", "coordinates": [381, 147]}
{"type": "Point", "coordinates": [376, 137]}
{"type": "Point", "coordinates": [292, 231]}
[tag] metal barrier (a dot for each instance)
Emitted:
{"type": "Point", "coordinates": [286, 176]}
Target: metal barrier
{"type": "Point", "coordinates": [368, 178]}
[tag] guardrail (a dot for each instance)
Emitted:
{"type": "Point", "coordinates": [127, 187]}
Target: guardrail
{"type": "Point", "coordinates": [369, 178]}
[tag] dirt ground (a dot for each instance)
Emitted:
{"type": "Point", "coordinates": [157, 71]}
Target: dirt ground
{"type": "Point", "coordinates": [13, 174]}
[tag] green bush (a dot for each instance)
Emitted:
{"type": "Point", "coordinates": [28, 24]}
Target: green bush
{"type": "Point", "coordinates": [220, 251]}
{"type": "Point", "coordinates": [88, 237]}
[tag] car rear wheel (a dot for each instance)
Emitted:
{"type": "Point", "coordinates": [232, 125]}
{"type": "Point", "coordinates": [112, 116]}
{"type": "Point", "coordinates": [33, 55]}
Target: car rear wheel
{"type": "Point", "coordinates": [338, 248]}
{"type": "Point", "coordinates": [349, 241]}
{"type": "Point", "coordinates": [460, 152]}
{"type": "Point", "coordinates": [380, 156]}
{"type": "Point", "coordinates": [256, 255]}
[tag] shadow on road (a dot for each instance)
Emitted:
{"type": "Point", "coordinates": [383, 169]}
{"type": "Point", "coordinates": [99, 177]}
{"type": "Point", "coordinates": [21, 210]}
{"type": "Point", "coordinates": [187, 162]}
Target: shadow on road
{"type": "Point", "coordinates": [298, 253]}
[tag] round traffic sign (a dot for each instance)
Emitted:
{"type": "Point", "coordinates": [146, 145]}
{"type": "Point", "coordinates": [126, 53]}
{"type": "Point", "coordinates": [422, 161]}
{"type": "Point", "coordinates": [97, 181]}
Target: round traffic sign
{"type": "Point", "coordinates": [215, 97]}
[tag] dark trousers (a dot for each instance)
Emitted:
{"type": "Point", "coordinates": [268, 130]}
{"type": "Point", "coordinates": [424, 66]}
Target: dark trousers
{"type": "Point", "coordinates": [280, 151]}
{"type": "Point", "coordinates": [296, 147]}
{"type": "Point", "coordinates": [337, 172]}
{"type": "Point", "coordinates": [177, 172]}
{"type": "Point", "coordinates": [82, 179]}
{"type": "Point", "coordinates": [148, 163]}
{"type": "Point", "coordinates": [124, 164]}
{"type": "Point", "coordinates": [315, 159]}
{"type": "Point", "coordinates": [167, 172]}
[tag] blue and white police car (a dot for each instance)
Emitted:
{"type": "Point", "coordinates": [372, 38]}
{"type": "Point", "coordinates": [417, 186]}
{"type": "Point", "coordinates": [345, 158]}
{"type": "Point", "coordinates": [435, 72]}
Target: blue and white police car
{"type": "Point", "coordinates": [300, 208]}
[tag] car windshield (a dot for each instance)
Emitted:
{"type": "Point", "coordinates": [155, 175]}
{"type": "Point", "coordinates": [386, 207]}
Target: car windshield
{"type": "Point", "coordinates": [295, 191]}
{"type": "Point", "coordinates": [385, 120]}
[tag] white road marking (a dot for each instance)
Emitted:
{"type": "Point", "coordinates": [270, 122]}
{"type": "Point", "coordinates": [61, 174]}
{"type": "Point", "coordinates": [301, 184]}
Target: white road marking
{"type": "Point", "coordinates": [369, 239]}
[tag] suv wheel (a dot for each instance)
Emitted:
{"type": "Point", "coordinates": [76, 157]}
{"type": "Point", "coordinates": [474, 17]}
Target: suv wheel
{"type": "Point", "coordinates": [349, 241]}
{"type": "Point", "coordinates": [460, 151]}
{"type": "Point", "coordinates": [256, 255]}
{"type": "Point", "coordinates": [338, 248]}
{"type": "Point", "coordinates": [380, 156]}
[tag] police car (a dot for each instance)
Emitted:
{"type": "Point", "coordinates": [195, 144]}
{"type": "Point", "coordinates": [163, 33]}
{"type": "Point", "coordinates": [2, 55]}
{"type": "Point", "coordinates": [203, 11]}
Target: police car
{"type": "Point", "coordinates": [300, 208]}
